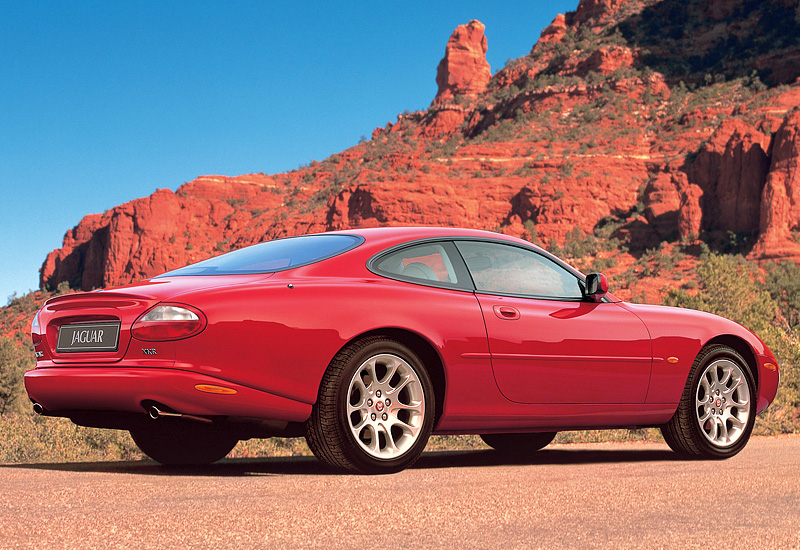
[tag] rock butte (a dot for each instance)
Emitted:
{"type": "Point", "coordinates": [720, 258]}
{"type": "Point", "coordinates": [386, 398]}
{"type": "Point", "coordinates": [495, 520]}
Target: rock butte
{"type": "Point", "coordinates": [593, 125]}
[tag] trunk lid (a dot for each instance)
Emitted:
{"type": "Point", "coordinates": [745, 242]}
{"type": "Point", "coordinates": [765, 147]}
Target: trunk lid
{"type": "Point", "coordinates": [95, 327]}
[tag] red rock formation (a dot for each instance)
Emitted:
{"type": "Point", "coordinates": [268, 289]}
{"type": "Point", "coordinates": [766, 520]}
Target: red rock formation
{"type": "Point", "coordinates": [731, 171]}
{"type": "Point", "coordinates": [595, 12]}
{"type": "Point", "coordinates": [780, 205]}
{"type": "Point", "coordinates": [555, 31]}
{"type": "Point", "coordinates": [662, 202]}
{"type": "Point", "coordinates": [463, 71]}
{"type": "Point", "coordinates": [690, 215]}
{"type": "Point", "coordinates": [560, 139]}
{"type": "Point", "coordinates": [154, 234]}
{"type": "Point", "coordinates": [443, 121]}
{"type": "Point", "coordinates": [606, 60]}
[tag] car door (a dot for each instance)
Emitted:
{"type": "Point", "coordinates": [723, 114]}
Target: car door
{"type": "Point", "coordinates": [547, 343]}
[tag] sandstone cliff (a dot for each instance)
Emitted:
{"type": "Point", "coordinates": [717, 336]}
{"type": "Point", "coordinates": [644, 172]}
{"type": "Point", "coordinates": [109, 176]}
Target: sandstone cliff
{"type": "Point", "coordinates": [609, 127]}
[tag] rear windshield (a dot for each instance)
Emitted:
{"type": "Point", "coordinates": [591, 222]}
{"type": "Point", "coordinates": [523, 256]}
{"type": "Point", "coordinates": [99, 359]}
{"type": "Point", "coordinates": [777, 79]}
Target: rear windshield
{"type": "Point", "coordinates": [272, 256]}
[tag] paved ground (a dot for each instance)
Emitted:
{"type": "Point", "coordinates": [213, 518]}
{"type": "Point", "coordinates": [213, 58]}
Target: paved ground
{"type": "Point", "coordinates": [569, 496]}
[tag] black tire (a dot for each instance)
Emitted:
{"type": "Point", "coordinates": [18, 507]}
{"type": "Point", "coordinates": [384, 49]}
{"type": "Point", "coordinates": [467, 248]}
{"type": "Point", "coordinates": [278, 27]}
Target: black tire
{"type": "Point", "coordinates": [518, 444]}
{"type": "Point", "coordinates": [717, 410]}
{"type": "Point", "coordinates": [175, 443]}
{"type": "Point", "coordinates": [388, 422]}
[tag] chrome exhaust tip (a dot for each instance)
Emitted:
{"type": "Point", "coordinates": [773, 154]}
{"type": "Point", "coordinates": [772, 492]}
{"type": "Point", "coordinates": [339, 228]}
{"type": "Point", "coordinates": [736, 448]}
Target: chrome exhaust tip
{"type": "Point", "coordinates": [155, 413]}
{"type": "Point", "coordinates": [38, 409]}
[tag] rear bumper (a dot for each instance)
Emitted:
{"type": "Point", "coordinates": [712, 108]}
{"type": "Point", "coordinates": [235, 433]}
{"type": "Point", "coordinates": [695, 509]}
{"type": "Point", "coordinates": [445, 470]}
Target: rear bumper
{"type": "Point", "coordinates": [126, 389]}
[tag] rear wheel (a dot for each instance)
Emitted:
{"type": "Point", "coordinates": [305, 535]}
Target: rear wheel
{"type": "Point", "coordinates": [375, 409]}
{"type": "Point", "coordinates": [717, 411]}
{"type": "Point", "coordinates": [518, 444]}
{"type": "Point", "coordinates": [183, 444]}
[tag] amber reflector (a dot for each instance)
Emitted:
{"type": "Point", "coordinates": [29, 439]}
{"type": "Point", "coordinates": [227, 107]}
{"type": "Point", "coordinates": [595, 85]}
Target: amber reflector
{"type": "Point", "coordinates": [672, 360]}
{"type": "Point", "coordinates": [220, 390]}
{"type": "Point", "coordinates": [771, 366]}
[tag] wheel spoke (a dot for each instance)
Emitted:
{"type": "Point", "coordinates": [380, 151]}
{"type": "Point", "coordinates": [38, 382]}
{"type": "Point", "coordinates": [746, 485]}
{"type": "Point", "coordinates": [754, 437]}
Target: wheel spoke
{"type": "Point", "coordinates": [722, 427]}
{"type": "Point", "coordinates": [391, 446]}
{"type": "Point", "coordinates": [391, 372]}
{"type": "Point", "coordinates": [727, 372]}
{"type": "Point", "coordinates": [735, 421]}
{"type": "Point", "coordinates": [712, 428]}
{"type": "Point", "coordinates": [373, 443]}
{"type": "Point", "coordinates": [706, 387]}
{"type": "Point", "coordinates": [403, 383]}
{"type": "Point", "coordinates": [730, 391]}
{"type": "Point", "coordinates": [370, 370]}
{"type": "Point", "coordinates": [362, 391]}
{"type": "Point", "coordinates": [743, 404]}
{"type": "Point", "coordinates": [360, 424]}
{"type": "Point", "coordinates": [417, 406]}
{"type": "Point", "coordinates": [407, 428]}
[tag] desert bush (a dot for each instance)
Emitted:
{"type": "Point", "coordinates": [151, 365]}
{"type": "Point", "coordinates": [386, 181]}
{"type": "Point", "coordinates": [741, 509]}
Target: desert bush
{"type": "Point", "coordinates": [783, 284]}
{"type": "Point", "coordinates": [729, 286]}
{"type": "Point", "coordinates": [581, 249]}
{"type": "Point", "coordinates": [28, 438]}
{"type": "Point", "coordinates": [15, 359]}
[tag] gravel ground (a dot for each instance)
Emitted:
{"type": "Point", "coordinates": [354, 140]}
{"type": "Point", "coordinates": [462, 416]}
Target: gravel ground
{"type": "Point", "coordinates": [608, 495]}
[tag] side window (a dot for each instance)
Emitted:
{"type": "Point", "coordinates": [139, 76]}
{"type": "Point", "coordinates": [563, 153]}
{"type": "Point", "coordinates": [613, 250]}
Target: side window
{"type": "Point", "coordinates": [507, 269]}
{"type": "Point", "coordinates": [425, 262]}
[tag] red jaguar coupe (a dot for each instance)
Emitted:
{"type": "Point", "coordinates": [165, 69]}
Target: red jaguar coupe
{"type": "Point", "coordinates": [368, 341]}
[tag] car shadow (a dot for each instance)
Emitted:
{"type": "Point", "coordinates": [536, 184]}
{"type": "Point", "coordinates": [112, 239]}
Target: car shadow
{"type": "Point", "coordinates": [309, 466]}
{"type": "Point", "coordinates": [487, 457]}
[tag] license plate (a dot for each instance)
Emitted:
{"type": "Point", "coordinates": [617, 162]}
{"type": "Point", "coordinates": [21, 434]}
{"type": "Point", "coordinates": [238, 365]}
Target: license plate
{"type": "Point", "coordinates": [88, 337]}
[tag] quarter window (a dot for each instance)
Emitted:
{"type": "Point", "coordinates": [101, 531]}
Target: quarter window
{"type": "Point", "coordinates": [506, 269]}
{"type": "Point", "coordinates": [424, 262]}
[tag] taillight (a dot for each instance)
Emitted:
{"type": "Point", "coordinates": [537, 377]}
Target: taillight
{"type": "Point", "coordinates": [36, 332]}
{"type": "Point", "coordinates": [169, 322]}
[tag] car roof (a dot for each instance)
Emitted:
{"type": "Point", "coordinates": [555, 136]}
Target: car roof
{"type": "Point", "coordinates": [387, 236]}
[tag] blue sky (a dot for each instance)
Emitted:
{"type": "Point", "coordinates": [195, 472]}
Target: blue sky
{"type": "Point", "coordinates": [103, 102]}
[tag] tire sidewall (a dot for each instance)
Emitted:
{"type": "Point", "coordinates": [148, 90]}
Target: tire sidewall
{"type": "Point", "coordinates": [351, 447]}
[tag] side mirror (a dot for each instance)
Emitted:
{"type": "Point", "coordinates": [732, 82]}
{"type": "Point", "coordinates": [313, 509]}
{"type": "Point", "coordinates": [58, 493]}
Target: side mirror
{"type": "Point", "coordinates": [596, 286]}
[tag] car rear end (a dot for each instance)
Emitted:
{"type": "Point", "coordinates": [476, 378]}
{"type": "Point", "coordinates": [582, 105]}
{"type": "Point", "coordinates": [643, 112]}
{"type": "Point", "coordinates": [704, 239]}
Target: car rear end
{"type": "Point", "coordinates": [108, 359]}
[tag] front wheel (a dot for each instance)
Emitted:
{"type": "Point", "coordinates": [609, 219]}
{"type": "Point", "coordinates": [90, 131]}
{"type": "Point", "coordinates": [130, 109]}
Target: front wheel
{"type": "Point", "coordinates": [183, 444]}
{"type": "Point", "coordinates": [374, 413]}
{"type": "Point", "coordinates": [717, 411]}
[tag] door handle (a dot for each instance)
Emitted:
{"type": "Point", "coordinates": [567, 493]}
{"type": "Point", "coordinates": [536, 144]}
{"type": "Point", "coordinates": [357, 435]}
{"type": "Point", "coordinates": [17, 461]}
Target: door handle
{"type": "Point", "coordinates": [507, 313]}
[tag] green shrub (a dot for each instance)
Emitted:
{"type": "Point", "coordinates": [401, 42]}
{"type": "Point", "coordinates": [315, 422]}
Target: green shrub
{"type": "Point", "coordinates": [729, 286]}
{"type": "Point", "coordinates": [28, 438]}
{"type": "Point", "coordinates": [783, 284]}
{"type": "Point", "coordinates": [15, 359]}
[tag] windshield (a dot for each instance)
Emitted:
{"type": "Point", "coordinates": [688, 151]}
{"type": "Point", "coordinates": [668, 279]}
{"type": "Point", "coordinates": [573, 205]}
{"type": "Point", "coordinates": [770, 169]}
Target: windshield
{"type": "Point", "coordinates": [272, 256]}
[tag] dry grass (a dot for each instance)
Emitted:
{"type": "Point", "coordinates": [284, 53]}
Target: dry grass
{"type": "Point", "coordinates": [30, 439]}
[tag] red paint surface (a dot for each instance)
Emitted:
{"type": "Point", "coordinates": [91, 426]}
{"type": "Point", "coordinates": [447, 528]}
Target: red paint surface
{"type": "Point", "coordinates": [554, 365]}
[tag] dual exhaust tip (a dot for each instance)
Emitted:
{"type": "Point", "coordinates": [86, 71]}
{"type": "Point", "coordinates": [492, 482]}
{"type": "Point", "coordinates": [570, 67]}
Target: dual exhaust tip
{"type": "Point", "coordinates": [153, 412]}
